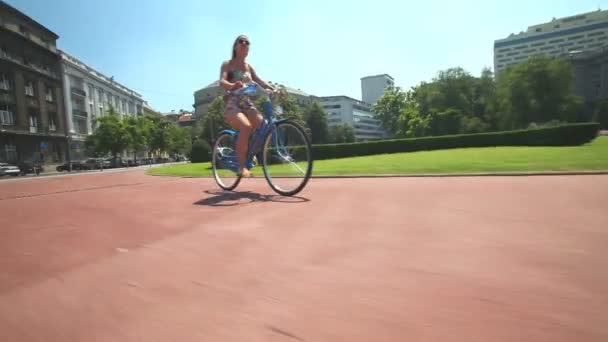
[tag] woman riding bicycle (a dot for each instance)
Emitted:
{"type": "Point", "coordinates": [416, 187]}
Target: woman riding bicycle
{"type": "Point", "coordinates": [240, 112]}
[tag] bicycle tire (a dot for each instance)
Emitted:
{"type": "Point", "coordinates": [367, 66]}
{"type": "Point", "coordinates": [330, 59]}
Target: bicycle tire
{"type": "Point", "coordinates": [308, 172]}
{"type": "Point", "coordinates": [214, 165]}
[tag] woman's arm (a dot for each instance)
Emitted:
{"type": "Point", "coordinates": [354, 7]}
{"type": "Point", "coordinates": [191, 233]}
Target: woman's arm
{"type": "Point", "coordinates": [224, 79]}
{"type": "Point", "coordinates": [258, 80]}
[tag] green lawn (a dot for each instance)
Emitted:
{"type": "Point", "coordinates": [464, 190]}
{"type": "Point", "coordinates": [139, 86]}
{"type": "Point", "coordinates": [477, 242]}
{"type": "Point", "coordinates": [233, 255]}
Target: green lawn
{"type": "Point", "coordinates": [592, 156]}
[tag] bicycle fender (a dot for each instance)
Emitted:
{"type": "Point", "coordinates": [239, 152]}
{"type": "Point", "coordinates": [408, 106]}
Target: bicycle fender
{"type": "Point", "coordinates": [227, 131]}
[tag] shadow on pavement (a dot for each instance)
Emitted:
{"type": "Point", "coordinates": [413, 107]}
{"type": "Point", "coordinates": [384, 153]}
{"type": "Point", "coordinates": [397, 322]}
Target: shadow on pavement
{"type": "Point", "coordinates": [231, 198]}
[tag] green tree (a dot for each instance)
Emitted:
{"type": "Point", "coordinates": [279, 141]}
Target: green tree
{"type": "Point", "coordinates": [110, 136]}
{"type": "Point", "coordinates": [538, 90]}
{"type": "Point", "coordinates": [155, 126]}
{"type": "Point", "coordinates": [389, 107]}
{"type": "Point", "coordinates": [316, 120]}
{"type": "Point", "coordinates": [212, 122]}
{"type": "Point", "coordinates": [178, 140]}
{"type": "Point", "coordinates": [136, 128]}
{"type": "Point", "coordinates": [342, 133]}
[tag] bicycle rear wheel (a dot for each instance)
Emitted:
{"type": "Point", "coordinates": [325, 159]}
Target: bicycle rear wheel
{"type": "Point", "coordinates": [287, 158]}
{"type": "Point", "coordinates": [224, 162]}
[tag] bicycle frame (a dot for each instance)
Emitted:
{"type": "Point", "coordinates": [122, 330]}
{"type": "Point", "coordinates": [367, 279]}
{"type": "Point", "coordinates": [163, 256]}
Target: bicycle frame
{"type": "Point", "coordinates": [256, 140]}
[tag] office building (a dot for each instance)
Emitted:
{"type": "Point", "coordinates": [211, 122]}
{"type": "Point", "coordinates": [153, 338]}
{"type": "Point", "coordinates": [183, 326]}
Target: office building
{"type": "Point", "coordinates": [88, 95]}
{"type": "Point", "coordinates": [579, 33]}
{"type": "Point", "coordinates": [355, 113]}
{"type": "Point", "coordinates": [373, 87]}
{"type": "Point", "coordinates": [32, 118]}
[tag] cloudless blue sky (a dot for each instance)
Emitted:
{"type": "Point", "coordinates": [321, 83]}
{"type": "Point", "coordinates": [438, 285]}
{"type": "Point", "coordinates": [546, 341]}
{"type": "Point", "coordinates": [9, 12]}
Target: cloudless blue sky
{"type": "Point", "coordinates": [166, 50]}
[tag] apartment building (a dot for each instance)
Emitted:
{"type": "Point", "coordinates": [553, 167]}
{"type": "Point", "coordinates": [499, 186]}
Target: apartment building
{"type": "Point", "coordinates": [373, 87]}
{"type": "Point", "coordinates": [559, 37]}
{"type": "Point", "coordinates": [32, 117]}
{"type": "Point", "coordinates": [88, 95]}
{"type": "Point", "coordinates": [357, 114]}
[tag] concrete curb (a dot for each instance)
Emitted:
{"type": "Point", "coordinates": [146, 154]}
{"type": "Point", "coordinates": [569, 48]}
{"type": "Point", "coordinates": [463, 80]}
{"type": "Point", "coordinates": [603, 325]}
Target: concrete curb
{"type": "Point", "coordinates": [438, 175]}
{"type": "Point", "coordinates": [85, 172]}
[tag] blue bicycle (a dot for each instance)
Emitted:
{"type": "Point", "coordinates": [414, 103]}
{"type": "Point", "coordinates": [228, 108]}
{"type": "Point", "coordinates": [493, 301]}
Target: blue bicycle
{"type": "Point", "coordinates": [282, 145]}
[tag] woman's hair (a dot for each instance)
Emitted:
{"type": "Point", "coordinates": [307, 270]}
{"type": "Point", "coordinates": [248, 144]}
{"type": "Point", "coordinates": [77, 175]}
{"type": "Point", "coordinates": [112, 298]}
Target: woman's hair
{"type": "Point", "coordinates": [234, 44]}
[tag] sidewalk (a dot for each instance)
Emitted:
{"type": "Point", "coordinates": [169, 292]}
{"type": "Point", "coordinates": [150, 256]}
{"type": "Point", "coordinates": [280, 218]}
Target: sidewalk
{"type": "Point", "coordinates": [53, 172]}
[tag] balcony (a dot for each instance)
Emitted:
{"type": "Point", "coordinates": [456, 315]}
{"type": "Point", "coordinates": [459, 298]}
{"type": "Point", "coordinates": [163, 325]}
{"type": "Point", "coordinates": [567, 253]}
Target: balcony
{"type": "Point", "coordinates": [78, 112]}
{"type": "Point", "coordinates": [49, 98]}
{"type": "Point", "coordinates": [79, 92]}
{"type": "Point", "coordinates": [6, 98]}
{"type": "Point", "coordinates": [31, 102]}
{"type": "Point", "coordinates": [7, 118]}
{"type": "Point", "coordinates": [52, 128]}
{"type": "Point", "coordinates": [33, 129]}
{"type": "Point", "coordinates": [43, 70]}
{"type": "Point", "coordinates": [4, 85]}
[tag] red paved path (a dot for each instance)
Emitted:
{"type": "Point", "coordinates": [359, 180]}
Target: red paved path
{"type": "Point", "coordinates": [129, 257]}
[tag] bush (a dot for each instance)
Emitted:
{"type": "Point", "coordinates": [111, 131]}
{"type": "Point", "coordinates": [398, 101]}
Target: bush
{"type": "Point", "coordinates": [564, 135]}
{"type": "Point", "coordinates": [201, 152]}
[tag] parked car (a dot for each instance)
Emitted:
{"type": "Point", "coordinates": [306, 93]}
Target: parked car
{"type": "Point", "coordinates": [7, 169]}
{"type": "Point", "coordinates": [95, 164]}
{"type": "Point", "coordinates": [116, 162]}
{"type": "Point", "coordinates": [30, 167]}
{"type": "Point", "coordinates": [75, 164]}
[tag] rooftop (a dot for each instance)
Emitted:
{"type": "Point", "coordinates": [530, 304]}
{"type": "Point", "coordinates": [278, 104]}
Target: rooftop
{"type": "Point", "coordinates": [28, 19]}
{"type": "Point", "coordinates": [101, 77]}
{"type": "Point", "coordinates": [341, 97]}
{"type": "Point", "coordinates": [380, 75]}
{"type": "Point", "coordinates": [562, 24]}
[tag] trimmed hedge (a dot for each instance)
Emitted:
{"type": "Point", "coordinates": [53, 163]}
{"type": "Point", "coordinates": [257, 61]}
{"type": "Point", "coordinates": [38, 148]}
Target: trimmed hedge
{"type": "Point", "coordinates": [564, 135]}
{"type": "Point", "coordinates": [201, 152]}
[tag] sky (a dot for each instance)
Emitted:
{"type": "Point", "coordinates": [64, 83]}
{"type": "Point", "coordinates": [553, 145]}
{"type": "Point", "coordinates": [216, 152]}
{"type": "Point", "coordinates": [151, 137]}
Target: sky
{"type": "Point", "coordinates": [166, 50]}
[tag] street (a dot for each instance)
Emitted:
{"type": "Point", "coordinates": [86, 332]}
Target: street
{"type": "Point", "coordinates": [128, 257]}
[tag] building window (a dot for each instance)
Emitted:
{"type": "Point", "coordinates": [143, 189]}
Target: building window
{"type": "Point", "coordinates": [33, 123]}
{"type": "Point", "coordinates": [100, 112]}
{"type": "Point", "coordinates": [91, 93]}
{"type": "Point", "coordinates": [521, 47]}
{"type": "Point", "coordinates": [512, 53]}
{"type": "Point", "coordinates": [52, 126]}
{"type": "Point", "coordinates": [594, 34]}
{"type": "Point", "coordinates": [556, 41]}
{"type": "Point", "coordinates": [538, 44]}
{"type": "Point", "coordinates": [80, 124]}
{"type": "Point", "coordinates": [5, 84]}
{"type": "Point", "coordinates": [7, 117]}
{"type": "Point", "coordinates": [49, 94]}
{"type": "Point", "coordinates": [601, 38]}
{"type": "Point", "coordinates": [575, 37]}
{"type": "Point", "coordinates": [10, 152]}
{"type": "Point", "coordinates": [539, 29]}
{"type": "Point", "coordinates": [29, 88]}
{"type": "Point", "coordinates": [99, 96]}
{"type": "Point", "coordinates": [504, 50]}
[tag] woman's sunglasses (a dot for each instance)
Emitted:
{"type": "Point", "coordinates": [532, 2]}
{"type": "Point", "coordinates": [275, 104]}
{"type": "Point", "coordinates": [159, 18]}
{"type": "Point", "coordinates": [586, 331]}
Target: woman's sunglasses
{"type": "Point", "coordinates": [244, 41]}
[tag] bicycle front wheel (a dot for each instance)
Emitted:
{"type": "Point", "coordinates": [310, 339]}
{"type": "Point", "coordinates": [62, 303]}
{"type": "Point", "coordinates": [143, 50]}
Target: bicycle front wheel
{"type": "Point", "coordinates": [224, 162]}
{"type": "Point", "coordinates": [287, 158]}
